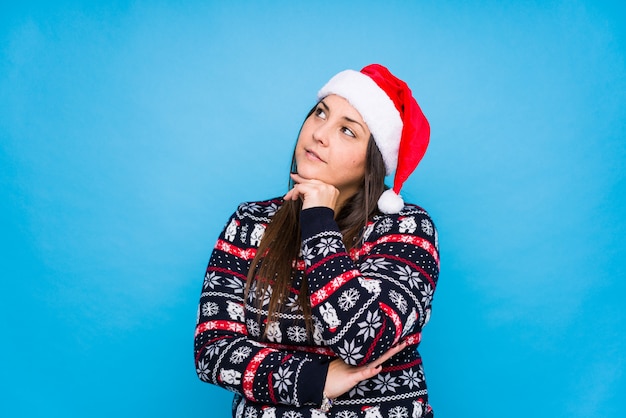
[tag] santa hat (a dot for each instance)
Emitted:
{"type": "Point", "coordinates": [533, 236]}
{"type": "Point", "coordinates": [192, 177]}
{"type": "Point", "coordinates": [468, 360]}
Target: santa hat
{"type": "Point", "coordinates": [394, 118]}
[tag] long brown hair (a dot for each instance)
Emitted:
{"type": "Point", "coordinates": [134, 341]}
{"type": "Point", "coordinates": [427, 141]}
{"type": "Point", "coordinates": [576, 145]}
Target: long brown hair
{"type": "Point", "coordinates": [275, 261]}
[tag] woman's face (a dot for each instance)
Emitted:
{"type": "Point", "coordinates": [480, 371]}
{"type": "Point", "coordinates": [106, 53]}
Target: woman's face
{"type": "Point", "coordinates": [332, 145]}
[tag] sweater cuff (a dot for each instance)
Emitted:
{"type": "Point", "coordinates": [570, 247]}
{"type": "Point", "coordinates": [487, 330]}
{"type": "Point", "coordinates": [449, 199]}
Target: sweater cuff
{"type": "Point", "coordinates": [316, 219]}
{"type": "Point", "coordinates": [311, 391]}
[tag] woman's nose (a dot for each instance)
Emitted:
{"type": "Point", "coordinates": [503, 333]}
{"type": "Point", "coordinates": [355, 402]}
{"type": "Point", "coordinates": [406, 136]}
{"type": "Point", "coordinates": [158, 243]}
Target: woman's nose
{"type": "Point", "coordinates": [321, 134]}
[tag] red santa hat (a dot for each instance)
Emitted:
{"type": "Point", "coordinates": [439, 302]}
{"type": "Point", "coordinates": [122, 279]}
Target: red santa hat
{"type": "Point", "coordinates": [394, 118]}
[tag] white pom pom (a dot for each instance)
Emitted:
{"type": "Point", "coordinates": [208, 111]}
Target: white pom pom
{"type": "Point", "coordinates": [389, 202]}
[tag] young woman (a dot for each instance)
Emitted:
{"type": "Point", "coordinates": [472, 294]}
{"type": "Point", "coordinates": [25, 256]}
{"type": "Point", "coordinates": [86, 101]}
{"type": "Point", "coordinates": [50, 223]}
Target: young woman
{"type": "Point", "coordinates": [313, 303]}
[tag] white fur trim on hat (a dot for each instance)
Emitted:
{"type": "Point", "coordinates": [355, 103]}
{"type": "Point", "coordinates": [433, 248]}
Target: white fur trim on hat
{"type": "Point", "coordinates": [375, 107]}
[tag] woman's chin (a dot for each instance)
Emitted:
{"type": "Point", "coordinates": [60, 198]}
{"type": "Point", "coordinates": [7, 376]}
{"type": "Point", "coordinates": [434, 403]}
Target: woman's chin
{"type": "Point", "coordinates": [308, 173]}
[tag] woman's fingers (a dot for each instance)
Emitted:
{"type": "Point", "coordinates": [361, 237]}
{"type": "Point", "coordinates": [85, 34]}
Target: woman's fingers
{"type": "Point", "coordinates": [342, 377]}
{"type": "Point", "coordinates": [312, 192]}
{"type": "Point", "coordinates": [373, 368]}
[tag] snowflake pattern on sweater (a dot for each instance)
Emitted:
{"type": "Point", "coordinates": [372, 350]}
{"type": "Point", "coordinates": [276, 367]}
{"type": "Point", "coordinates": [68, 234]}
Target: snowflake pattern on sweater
{"type": "Point", "coordinates": [363, 302]}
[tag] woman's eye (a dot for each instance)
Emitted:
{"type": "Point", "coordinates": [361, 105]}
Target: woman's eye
{"type": "Point", "coordinates": [320, 112]}
{"type": "Point", "coordinates": [348, 132]}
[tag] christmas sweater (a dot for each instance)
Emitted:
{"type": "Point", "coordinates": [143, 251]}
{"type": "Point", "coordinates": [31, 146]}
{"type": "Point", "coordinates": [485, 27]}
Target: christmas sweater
{"type": "Point", "coordinates": [363, 302]}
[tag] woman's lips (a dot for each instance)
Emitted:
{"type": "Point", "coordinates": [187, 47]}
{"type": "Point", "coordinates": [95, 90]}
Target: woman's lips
{"type": "Point", "coordinates": [312, 155]}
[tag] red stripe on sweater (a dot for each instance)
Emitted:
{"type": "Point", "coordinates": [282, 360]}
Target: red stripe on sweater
{"type": "Point", "coordinates": [231, 326]}
{"type": "Point", "coordinates": [250, 372]}
{"type": "Point", "coordinates": [395, 238]}
{"type": "Point", "coordinates": [395, 318]}
{"type": "Point", "coordinates": [329, 288]}
{"type": "Point", "coordinates": [231, 249]}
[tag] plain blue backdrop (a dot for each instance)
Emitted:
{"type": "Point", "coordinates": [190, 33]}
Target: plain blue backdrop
{"type": "Point", "coordinates": [129, 131]}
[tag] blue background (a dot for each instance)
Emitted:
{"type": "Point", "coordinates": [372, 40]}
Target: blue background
{"type": "Point", "coordinates": [129, 131]}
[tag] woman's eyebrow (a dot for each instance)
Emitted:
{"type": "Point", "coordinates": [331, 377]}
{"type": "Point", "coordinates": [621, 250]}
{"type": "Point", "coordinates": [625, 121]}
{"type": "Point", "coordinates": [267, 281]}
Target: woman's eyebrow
{"type": "Point", "coordinates": [345, 117]}
{"type": "Point", "coordinates": [354, 121]}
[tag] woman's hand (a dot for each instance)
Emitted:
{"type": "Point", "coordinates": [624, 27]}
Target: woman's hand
{"type": "Point", "coordinates": [312, 192]}
{"type": "Point", "coordinates": [342, 377]}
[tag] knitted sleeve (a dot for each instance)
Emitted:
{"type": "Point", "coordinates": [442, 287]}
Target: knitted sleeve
{"type": "Point", "coordinates": [225, 353]}
{"type": "Point", "coordinates": [367, 301]}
